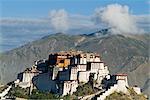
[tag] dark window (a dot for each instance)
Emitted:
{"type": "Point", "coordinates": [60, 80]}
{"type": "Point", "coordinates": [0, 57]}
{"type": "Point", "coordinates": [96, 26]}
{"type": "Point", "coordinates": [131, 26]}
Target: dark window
{"type": "Point", "coordinates": [61, 61]}
{"type": "Point", "coordinates": [88, 66]}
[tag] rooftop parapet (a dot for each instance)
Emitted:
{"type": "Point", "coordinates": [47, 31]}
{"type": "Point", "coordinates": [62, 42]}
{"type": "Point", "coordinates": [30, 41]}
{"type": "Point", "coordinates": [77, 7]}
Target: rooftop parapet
{"type": "Point", "coordinates": [65, 58]}
{"type": "Point", "coordinates": [32, 70]}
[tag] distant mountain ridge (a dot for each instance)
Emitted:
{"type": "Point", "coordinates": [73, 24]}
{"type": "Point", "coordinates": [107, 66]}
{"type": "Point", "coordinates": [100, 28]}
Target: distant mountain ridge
{"type": "Point", "coordinates": [101, 32]}
{"type": "Point", "coordinates": [122, 54]}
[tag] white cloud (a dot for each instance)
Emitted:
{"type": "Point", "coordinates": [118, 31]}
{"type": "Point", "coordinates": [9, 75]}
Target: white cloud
{"type": "Point", "coordinates": [15, 31]}
{"type": "Point", "coordinates": [59, 20]}
{"type": "Point", "coordinates": [118, 18]}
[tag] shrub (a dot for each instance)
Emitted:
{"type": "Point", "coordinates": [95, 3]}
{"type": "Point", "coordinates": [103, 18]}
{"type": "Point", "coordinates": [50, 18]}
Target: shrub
{"type": "Point", "coordinates": [19, 92]}
{"type": "Point", "coordinates": [85, 89]}
{"type": "Point", "coordinates": [36, 94]}
{"type": "Point", "coordinates": [121, 96]}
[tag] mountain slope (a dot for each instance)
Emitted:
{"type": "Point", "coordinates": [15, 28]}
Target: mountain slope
{"type": "Point", "coordinates": [127, 54]}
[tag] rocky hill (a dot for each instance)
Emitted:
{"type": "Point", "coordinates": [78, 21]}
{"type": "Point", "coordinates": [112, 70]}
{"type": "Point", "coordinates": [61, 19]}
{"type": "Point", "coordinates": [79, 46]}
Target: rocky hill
{"type": "Point", "coordinates": [126, 54]}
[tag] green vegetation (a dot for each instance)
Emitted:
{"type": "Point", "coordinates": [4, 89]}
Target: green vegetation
{"type": "Point", "coordinates": [36, 94]}
{"type": "Point", "coordinates": [117, 96]}
{"type": "Point", "coordinates": [121, 96]}
{"type": "Point", "coordinates": [82, 90]}
{"type": "Point", "coordinates": [85, 89]}
{"type": "Point", "coordinates": [69, 97]}
{"type": "Point", "coordinates": [135, 96]}
{"type": "Point", "coordinates": [19, 92]}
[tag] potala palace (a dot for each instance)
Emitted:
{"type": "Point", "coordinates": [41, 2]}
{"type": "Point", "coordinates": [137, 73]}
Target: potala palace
{"type": "Point", "coordinates": [64, 71]}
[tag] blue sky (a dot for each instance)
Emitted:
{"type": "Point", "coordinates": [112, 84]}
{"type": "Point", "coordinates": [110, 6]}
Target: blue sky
{"type": "Point", "coordinates": [41, 8]}
{"type": "Point", "coordinates": [22, 21]}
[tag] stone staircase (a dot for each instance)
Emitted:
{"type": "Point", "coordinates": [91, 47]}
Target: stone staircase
{"type": "Point", "coordinates": [5, 92]}
{"type": "Point", "coordinates": [108, 92]}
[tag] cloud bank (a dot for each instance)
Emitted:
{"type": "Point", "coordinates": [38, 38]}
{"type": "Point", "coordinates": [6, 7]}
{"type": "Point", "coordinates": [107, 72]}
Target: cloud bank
{"type": "Point", "coordinates": [118, 18]}
{"type": "Point", "coordinates": [15, 31]}
{"type": "Point", "coordinates": [59, 20]}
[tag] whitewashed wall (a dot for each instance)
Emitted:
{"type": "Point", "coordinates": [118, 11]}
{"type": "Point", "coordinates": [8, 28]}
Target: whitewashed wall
{"type": "Point", "coordinates": [84, 76]}
{"type": "Point", "coordinates": [69, 87]}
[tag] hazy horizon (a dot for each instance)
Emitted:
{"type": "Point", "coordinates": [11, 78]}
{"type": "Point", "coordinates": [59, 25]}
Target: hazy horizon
{"type": "Point", "coordinates": [28, 20]}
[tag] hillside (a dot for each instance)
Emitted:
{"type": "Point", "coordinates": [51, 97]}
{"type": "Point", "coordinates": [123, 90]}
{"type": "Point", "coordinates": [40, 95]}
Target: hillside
{"type": "Point", "coordinates": [121, 96]}
{"type": "Point", "coordinates": [127, 54]}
